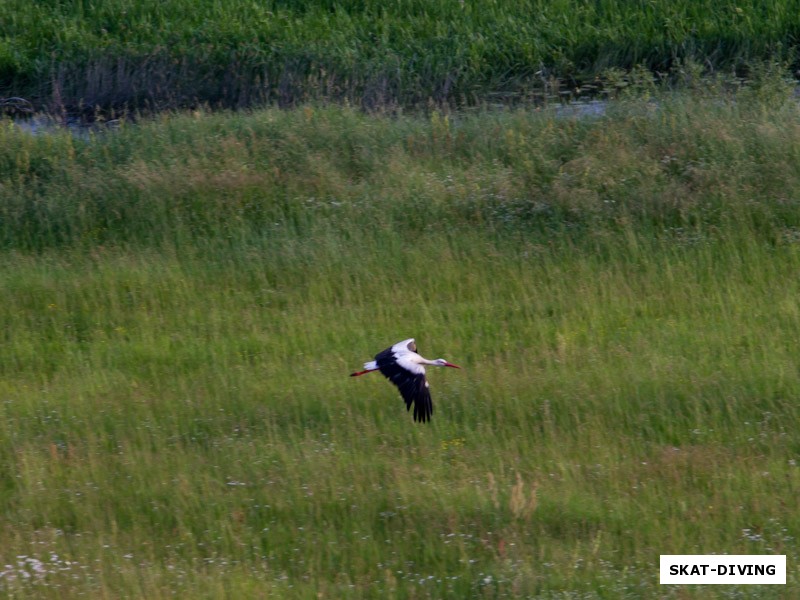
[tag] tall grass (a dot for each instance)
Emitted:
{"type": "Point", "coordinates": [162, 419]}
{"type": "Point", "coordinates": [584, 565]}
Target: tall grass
{"type": "Point", "coordinates": [681, 166]}
{"type": "Point", "coordinates": [83, 55]}
{"type": "Point", "coordinates": [183, 301]}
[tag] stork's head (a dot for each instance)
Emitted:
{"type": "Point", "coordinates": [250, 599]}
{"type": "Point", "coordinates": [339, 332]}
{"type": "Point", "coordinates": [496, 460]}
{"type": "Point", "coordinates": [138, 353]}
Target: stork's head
{"type": "Point", "coordinates": [440, 362]}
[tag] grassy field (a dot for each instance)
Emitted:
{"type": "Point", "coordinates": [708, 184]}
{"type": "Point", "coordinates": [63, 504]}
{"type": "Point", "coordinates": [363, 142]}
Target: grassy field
{"type": "Point", "coordinates": [183, 301]}
{"type": "Point", "coordinates": [155, 54]}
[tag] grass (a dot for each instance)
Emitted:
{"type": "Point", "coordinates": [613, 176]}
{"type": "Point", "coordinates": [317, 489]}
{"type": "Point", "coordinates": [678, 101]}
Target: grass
{"type": "Point", "coordinates": [680, 167]}
{"type": "Point", "coordinates": [183, 302]}
{"type": "Point", "coordinates": [117, 55]}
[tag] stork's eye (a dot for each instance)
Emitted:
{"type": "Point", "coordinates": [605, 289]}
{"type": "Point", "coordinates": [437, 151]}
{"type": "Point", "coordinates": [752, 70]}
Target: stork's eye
{"type": "Point", "coordinates": [412, 346]}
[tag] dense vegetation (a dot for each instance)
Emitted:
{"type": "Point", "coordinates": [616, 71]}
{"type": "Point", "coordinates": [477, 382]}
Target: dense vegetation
{"type": "Point", "coordinates": [183, 300]}
{"type": "Point", "coordinates": [677, 165]}
{"type": "Point", "coordinates": [166, 53]}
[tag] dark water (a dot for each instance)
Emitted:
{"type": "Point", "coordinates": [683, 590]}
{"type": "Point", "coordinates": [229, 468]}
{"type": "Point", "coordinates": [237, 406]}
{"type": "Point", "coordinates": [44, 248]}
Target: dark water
{"type": "Point", "coordinates": [38, 124]}
{"type": "Point", "coordinates": [44, 124]}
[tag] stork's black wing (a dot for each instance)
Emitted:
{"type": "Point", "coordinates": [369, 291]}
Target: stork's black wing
{"type": "Point", "coordinates": [413, 386]}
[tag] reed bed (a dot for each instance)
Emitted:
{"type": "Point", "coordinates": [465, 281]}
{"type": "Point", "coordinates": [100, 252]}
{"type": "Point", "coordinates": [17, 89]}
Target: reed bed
{"type": "Point", "coordinates": [119, 56]}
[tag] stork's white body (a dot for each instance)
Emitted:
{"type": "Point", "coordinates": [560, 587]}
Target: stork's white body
{"type": "Point", "coordinates": [406, 369]}
{"type": "Point", "coordinates": [405, 359]}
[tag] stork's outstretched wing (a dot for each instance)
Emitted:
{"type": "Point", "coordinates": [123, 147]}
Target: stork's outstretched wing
{"type": "Point", "coordinates": [409, 377]}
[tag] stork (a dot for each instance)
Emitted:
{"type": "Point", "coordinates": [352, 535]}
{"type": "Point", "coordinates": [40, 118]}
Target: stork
{"type": "Point", "coordinates": [401, 365]}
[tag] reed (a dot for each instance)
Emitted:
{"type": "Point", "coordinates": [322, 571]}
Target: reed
{"type": "Point", "coordinates": [80, 56]}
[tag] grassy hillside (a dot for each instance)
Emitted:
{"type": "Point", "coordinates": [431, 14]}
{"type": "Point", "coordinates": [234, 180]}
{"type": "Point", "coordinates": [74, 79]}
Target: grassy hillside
{"type": "Point", "coordinates": [682, 166]}
{"type": "Point", "coordinates": [183, 302]}
{"type": "Point", "coordinates": [161, 54]}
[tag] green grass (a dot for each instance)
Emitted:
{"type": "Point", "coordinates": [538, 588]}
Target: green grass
{"type": "Point", "coordinates": [680, 167]}
{"type": "Point", "coordinates": [118, 54]}
{"type": "Point", "coordinates": [183, 302]}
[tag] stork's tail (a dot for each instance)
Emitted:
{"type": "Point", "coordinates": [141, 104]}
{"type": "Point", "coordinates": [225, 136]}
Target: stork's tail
{"type": "Point", "coordinates": [368, 368]}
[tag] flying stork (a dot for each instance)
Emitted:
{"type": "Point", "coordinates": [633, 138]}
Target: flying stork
{"type": "Point", "coordinates": [401, 365]}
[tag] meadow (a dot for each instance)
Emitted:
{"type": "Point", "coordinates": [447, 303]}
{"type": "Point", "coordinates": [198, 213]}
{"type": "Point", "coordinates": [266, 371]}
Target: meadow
{"type": "Point", "coordinates": [119, 55]}
{"type": "Point", "coordinates": [183, 300]}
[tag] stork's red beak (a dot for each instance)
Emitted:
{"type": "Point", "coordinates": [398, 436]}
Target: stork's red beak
{"type": "Point", "coordinates": [447, 364]}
